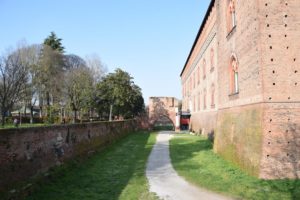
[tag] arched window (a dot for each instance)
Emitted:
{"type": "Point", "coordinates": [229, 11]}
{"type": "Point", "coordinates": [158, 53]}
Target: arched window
{"type": "Point", "coordinates": [190, 85]}
{"type": "Point", "coordinates": [194, 104]}
{"type": "Point", "coordinates": [204, 69]}
{"type": "Point", "coordinates": [213, 95]}
{"type": "Point", "coordinates": [204, 99]}
{"type": "Point", "coordinates": [231, 16]}
{"type": "Point", "coordinates": [234, 75]}
{"type": "Point", "coordinates": [194, 78]}
{"type": "Point", "coordinates": [212, 59]}
{"type": "Point", "coordinates": [199, 105]}
{"type": "Point", "coordinates": [198, 74]}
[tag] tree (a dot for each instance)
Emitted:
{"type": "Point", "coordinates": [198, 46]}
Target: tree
{"type": "Point", "coordinates": [54, 42]}
{"type": "Point", "coordinates": [118, 89]}
{"type": "Point", "coordinates": [73, 61]}
{"type": "Point", "coordinates": [93, 62]}
{"type": "Point", "coordinates": [30, 55]}
{"type": "Point", "coordinates": [13, 79]}
{"type": "Point", "coordinates": [50, 72]}
{"type": "Point", "coordinates": [79, 89]}
{"type": "Point", "coordinates": [138, 104]}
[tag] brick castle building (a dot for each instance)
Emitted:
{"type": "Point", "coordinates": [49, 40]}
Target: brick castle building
{"type": "Point", "coordinates": [241, 81]}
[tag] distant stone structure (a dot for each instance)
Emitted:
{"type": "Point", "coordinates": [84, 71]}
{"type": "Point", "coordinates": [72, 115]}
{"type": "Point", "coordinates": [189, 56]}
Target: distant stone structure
{"type": "Point", "coordinates": [241, 82]}
{"type": "Point", "coordinates": [163, 109]}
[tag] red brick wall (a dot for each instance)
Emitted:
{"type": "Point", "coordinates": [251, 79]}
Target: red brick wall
{"type": "Point", "coordinates": [25, 152]}
{"type": "Point", "coordinates": [258, 127]}
{"type": "Point", "coordinates": [239, 130]}
{"type": "Point", "coordinates": [239, 136]}
{"type": "Point", "coordinates": [200, 79]}
{"type": "Point", "coordinates": [243, 43]}
{"type": "Point", "coordinates": [279, 39]}
{"type": "Point", "coordinates": [162, 107]}
{"type": "Point", "coordinates": [281, 141]}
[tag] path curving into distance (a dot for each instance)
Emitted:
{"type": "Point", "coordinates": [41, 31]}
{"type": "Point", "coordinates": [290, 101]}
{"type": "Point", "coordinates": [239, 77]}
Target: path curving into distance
{"type": "Point", "coordinates": [164, 180]}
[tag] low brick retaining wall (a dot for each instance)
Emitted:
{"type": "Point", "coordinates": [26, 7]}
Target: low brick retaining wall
{"type": "Point", "coordinates": [25, 152]}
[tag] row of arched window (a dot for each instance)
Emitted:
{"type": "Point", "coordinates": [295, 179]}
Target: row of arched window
{"type": "Point", "coordinates": [195, 78]}
{"type": "Point", "coordinates": [233, 73]}
{"type": "Point", "coordinates": [199, 99]}
{"type": "Point", "coordinates": [234, 85]}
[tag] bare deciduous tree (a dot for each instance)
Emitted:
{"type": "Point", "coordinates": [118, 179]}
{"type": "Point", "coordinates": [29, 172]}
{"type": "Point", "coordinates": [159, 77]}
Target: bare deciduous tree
{"type": "Point", "coordinates": [79, 83]}
{"type": "Point", "coordinates": [96, 66]}
{"type": "Point", "coordinates": [13, 79]}
{"type": "Point", "coordinates": [30, 56]}
{"type": "Point", "coordinates": [73, 61]}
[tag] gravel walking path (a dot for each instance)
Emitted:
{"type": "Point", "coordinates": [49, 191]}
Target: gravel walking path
{"type": "Point", "coordinates": [164, 180]}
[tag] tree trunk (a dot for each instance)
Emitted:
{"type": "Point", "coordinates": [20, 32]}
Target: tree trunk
{"type": "Point", "coordinates": [75, 116]}
{"type": "Point", "coordinates": [31, 114]}
{"type": "Point", "coordinates": [3, 118]}
{"type": "Point", "coordinates": [48, 98]}
{"type": "Point", "coordinates": [48, 114]}
{"type": "Point", "coordinates": [41, 111]}
{"type": "Point", "coordinates": [25, 110]}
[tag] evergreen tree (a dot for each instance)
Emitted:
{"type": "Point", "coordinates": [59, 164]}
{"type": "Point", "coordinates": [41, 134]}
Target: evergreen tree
{"type": "Point", "coordinates": [54, 42]}
{"type": "Point", "coordinates": [118, 89]}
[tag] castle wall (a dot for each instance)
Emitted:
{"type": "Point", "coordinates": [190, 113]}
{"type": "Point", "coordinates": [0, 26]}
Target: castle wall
{"type": "Point", "coordinates": [26, 152]}
{"type": "Point", "coordinates": [239, 131]}
{"type": "Point", "coordinates": [280, 56]}
{"type": "Point", "coordinates": [199, 79]}
{"type": "Point", "coordinates": [257, 114]}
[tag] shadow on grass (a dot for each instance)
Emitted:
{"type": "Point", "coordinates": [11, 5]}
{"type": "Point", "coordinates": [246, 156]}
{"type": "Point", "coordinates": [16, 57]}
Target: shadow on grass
{"type": "Point", "coordinates": [194, 159]}
{"type": "Point", "coordinates": [118, 171]}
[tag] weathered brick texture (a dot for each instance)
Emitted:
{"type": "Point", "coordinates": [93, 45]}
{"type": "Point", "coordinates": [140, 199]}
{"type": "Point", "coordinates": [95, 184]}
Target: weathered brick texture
{"type": "Point", "coordinates": [26, 152]}
{"type": "Point", "coordinates": [162, 107]}
{"type": "Point", "coordinates": [258, 126]}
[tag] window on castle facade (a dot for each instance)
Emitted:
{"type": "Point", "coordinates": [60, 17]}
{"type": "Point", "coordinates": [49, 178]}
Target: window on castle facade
{"type": "Point", "coordinates": [199, 105]}
{"type": "Point", "coordinates": [194, 104]}
{"type": "Point", "coordinates": [204, 99]}
{"type": "Point", "coordinates": [212, 95]}
{"type": "Point", "coordinates": [231, 15]}
{"type": "Point", "coordinates": [198, 73]}
{"type": "Point", "coordinates": [204, 69]}
{"type": "Point", "coordinates": [190, 85]}
{"type": "Point", "coordinates": [194, 78]}
{"type": "Point", "coordinates": [212, 59]}
{"type": "Point", "coordinates": [234, 76]}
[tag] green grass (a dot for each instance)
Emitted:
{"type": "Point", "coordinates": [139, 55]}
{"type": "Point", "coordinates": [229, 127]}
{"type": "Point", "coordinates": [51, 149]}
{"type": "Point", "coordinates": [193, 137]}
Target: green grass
{"type": "Point", "coordinates": [194, 159]}
{"type": "Point", "coordinates": [118, 172]}
{"type": "Point", "coordinates": [22, 125]}
{"type": "Point", "coordinates": [163, 127]}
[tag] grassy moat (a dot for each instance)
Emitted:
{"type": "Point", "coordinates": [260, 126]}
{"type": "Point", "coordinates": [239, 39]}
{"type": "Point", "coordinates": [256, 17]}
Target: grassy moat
{"type": "Point", "coordinates": [118, 172]}
{"type": "Point", "coordinates": [194, 159]}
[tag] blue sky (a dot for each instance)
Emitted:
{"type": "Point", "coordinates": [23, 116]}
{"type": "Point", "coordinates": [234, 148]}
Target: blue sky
{"type": "Point", "coordinates": [149, 39]}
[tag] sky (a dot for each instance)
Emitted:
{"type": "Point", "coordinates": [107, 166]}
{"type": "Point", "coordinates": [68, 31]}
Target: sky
{"type": "Point", "coordinates": [150, 39]}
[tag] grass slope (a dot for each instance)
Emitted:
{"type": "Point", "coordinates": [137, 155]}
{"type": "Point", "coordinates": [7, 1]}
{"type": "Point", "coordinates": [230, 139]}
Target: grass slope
{"type": "Point", "coordinates": [25, 125]}
{"type": "Point", "coordinates": [194, 159]}
{"type": "Point", "coordinates": [116, 173]}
